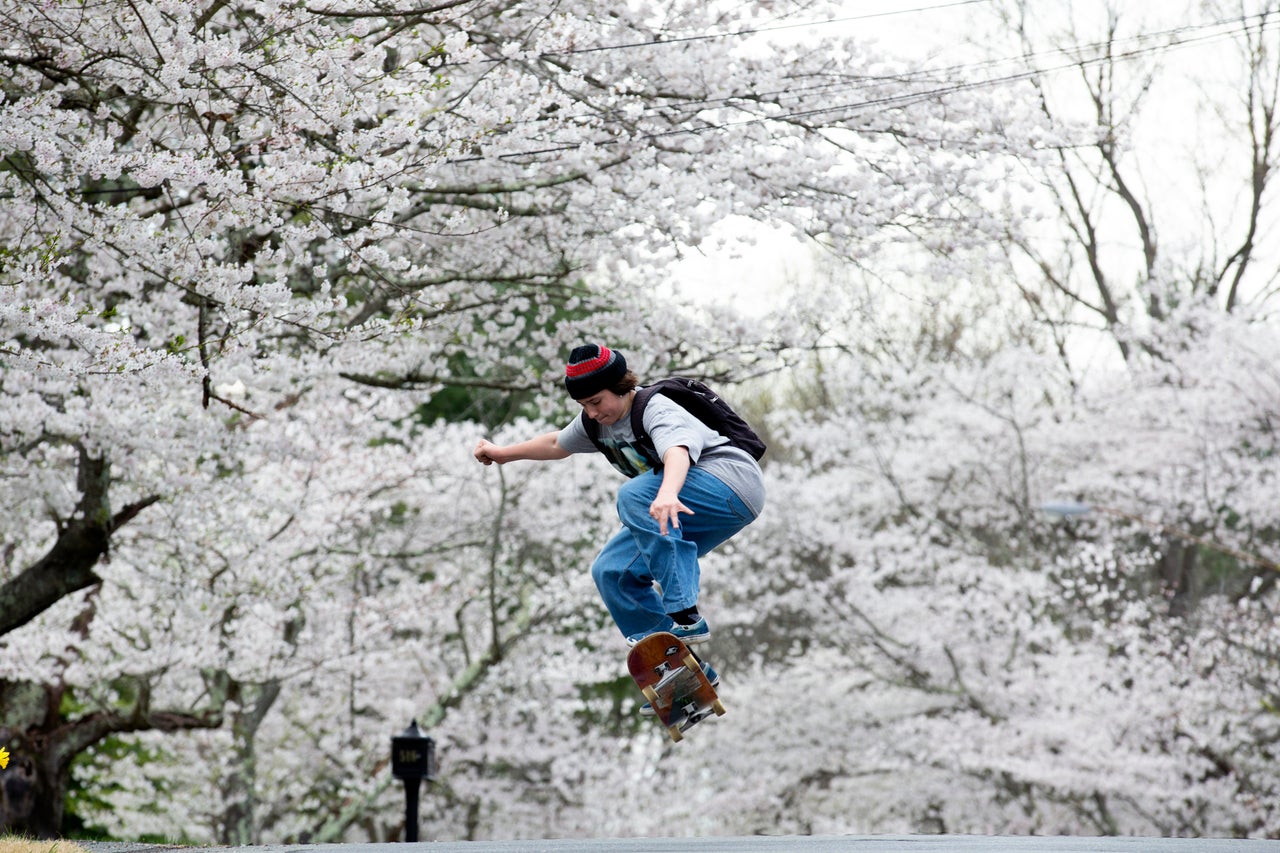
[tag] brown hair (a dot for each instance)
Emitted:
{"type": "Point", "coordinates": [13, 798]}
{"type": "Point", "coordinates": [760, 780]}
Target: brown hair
{"type": "Point", "coordinates": [626, 384]}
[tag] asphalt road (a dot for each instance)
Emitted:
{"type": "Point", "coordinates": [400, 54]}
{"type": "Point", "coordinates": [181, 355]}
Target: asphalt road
{"type": "Point", "coordinates": [769, 844]}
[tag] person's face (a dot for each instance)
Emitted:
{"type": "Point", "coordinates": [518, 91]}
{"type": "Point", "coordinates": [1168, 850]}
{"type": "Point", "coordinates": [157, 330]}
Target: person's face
{"type": "Point", "coordinates": [606, 407]}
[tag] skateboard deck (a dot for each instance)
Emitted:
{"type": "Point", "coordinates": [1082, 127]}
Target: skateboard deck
{"type": "Point", "coordinates": [672, 681]}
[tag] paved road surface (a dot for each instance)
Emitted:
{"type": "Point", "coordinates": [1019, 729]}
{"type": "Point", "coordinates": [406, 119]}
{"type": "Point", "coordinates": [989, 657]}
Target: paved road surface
{"type": "Point", "coordinates": [768, 844]}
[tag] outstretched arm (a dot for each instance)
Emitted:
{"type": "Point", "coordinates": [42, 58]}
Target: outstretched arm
{"type": "Point", "coordinates": [544, 447]}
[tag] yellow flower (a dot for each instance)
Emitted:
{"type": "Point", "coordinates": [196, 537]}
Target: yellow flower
{"type": "Point", "coordinates": [4, 758]}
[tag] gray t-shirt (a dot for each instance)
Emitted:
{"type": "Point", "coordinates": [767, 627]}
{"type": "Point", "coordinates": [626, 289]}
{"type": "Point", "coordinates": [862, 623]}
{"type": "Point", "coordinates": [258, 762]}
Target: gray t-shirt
{"type": "Point", "coordinates": [670, 426]}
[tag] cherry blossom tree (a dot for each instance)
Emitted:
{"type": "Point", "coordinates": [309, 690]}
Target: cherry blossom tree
{"type": "Point", "coordinates": [248, 249]}
{"type": "Point", "coordinates": [268, 270]}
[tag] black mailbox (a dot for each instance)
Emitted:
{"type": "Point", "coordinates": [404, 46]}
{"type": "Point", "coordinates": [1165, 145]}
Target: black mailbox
{"type": "Point", "coordinates": [413, 757]}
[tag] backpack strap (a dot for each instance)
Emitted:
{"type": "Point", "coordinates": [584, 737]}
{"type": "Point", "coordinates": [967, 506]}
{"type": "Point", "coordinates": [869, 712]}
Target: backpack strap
{"type": "Point", "coordinates": [638, 403]}
{"type": "Point", "coordinates": [592, 429]}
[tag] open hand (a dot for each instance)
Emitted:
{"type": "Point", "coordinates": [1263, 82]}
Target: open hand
{"type": "Point", "coordinates": [666, 511]}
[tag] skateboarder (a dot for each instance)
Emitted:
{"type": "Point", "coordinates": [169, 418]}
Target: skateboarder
{"type": "Point", "coordinates": [704, 492]}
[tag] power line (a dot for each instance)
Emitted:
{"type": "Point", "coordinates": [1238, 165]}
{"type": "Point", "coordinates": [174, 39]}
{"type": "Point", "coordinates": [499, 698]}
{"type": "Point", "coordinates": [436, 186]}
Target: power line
{"type": "Point", "coordinates": [1035, 71]}
{"type": "Point", "coordinates": [1175, 38]}
{"type": "Point", "coordinates": [1172, 39]}
{"type": "Point", "coordinates": [751, 31]}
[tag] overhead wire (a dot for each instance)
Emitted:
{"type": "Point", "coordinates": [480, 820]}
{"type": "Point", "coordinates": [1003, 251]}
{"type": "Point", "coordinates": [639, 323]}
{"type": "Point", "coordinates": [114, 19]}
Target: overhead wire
{"type": "Point", "coordinates": [1030, 65]}
{"type": "Point", "coordinates": [1026, 66]}
{"type": "Point", "coordinates": [1030, 61]}
{"type": "Point", "coordinates": [770, 28]}
{"type": "Point", "coordinates": [1004, 79]}
{"type": "Point", "coordinates": [1175, 38]}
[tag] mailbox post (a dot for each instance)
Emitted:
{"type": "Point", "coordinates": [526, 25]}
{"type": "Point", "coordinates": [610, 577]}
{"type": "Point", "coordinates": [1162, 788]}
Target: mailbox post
{"type": "Point", "coordinates": [412, 760]}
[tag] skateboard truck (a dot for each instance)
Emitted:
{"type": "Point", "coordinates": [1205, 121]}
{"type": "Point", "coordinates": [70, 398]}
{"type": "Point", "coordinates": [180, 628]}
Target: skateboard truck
{"type": "Point", "coordinates": [672, 681]}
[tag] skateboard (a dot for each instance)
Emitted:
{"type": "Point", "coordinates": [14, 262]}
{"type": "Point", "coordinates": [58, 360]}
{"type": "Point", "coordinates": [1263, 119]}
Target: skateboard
{"type": "Point", "coordinates": [672, 681]}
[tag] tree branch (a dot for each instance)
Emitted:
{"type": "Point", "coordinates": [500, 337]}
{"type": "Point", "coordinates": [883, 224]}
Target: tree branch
{"type": "Point", "coordinates": [69, 565]}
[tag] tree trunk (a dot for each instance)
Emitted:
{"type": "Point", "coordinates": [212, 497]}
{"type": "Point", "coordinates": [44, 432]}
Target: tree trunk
{"type": "Point", "coordinates": [240, 821]}
{"type": "Point", "coordinates": [69, 565]}
{"type": "Point", "coordinates": [42, 743]}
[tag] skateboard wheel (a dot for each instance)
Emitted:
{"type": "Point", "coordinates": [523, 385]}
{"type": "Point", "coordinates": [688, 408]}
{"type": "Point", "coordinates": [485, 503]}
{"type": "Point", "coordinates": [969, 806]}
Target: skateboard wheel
{"type": "Point", "coordinates": [652, 696]}
{"type": "Point", "coordinates": [676, 734]}
{"type": "Point", "coordinates": [692, 663]}
{"type": "Point", "coordinates": [718, 707]}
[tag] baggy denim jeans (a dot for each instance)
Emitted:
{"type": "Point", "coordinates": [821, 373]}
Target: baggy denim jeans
{"type": "Point", "coordinates": [639, 554]}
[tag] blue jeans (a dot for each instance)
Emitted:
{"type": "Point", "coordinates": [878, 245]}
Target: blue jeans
{"type": "Point", "coordinates": [639, 554]}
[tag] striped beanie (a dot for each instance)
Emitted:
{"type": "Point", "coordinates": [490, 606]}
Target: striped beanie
{"type": "Point", "coordinates": [591, 369]}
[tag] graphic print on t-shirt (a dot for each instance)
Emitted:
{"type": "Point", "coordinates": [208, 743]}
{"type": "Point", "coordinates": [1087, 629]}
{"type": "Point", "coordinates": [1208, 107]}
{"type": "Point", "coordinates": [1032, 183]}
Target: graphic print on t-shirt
{"type": "Point", "coordinates": [625, 456]}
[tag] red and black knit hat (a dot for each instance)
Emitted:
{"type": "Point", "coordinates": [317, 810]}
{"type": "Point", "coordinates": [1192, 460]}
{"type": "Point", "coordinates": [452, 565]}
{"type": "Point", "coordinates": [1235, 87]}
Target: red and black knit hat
{"type": "Point", "coordinates": [591, 369]}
